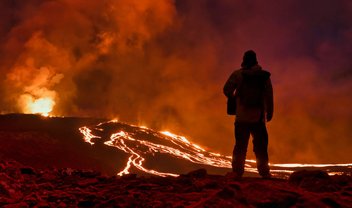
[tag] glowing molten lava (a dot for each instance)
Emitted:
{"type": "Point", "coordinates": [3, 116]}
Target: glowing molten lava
{"type": "Point", "coordinates": [42, 106]}
{"type": "Point", "coordinates": [141, 144]}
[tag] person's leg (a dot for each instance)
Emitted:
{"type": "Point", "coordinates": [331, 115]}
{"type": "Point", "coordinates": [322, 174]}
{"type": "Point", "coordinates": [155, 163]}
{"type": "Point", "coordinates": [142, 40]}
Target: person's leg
{"type": "Point", "coordinates": [260, 148]}
{"type": "Point", "coordinates": [239, 152]}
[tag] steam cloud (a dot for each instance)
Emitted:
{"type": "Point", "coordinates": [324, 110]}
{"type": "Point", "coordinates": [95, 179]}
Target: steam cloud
{"type": "Point", "coordinates": [163, 63]}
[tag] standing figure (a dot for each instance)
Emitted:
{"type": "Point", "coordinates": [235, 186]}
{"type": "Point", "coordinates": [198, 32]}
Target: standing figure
{"type": "Point", "coordinates": [253, 92]}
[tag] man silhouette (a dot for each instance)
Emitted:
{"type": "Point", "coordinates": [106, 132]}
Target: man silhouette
{"type": "Point", "coordinates": [253, 92]}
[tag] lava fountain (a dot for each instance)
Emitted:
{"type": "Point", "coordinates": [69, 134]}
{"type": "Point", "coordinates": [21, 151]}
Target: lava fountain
{"type": "Point", "coordinates": [144, 146]}
{"type": "Point", "coordinates": [42, 105]}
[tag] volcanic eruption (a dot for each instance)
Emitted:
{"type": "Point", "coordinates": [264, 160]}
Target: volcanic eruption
{"type": "Point", "coordinates": [76, 64]}
{"type": "Point", "coordinates": [162, 64]}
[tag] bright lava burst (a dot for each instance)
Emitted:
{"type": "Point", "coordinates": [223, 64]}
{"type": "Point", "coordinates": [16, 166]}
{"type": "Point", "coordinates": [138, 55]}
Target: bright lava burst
{"type": "Point", "coordinates": [139, 149]}
{"type": "Point", "coordinates": [42, 106]}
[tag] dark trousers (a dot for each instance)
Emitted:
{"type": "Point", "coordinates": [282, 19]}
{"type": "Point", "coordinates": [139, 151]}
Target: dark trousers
{"type": "Point", "coordinates": [260, 146]}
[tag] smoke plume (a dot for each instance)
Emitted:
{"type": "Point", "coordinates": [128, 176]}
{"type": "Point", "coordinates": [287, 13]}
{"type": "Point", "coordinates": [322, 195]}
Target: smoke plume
{"type": "Point", "coordinates": [163, 63]}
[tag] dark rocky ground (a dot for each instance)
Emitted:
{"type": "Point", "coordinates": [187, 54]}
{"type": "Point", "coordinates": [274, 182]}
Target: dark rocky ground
{"type": "Point", "coordinates": [23, 186]}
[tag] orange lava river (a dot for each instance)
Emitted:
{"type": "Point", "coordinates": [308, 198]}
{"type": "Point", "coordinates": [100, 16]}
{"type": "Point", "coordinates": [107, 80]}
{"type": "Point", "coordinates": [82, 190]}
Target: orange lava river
{"type": "Point", "coordinates": [141, 142]}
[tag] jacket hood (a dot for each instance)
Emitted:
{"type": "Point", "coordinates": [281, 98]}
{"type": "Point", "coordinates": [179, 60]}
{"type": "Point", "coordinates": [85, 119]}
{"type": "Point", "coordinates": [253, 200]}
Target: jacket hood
{"type": "Point", "coordinates": [256, 70]}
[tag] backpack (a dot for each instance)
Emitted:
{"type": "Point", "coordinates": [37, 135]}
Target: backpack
{"type": "Point", "coordinates": [252, 87]}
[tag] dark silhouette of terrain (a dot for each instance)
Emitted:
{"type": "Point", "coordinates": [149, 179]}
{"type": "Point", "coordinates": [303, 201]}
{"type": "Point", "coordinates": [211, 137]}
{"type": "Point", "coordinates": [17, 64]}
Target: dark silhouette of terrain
{"type": "Point", "coordinates": [43, 141]}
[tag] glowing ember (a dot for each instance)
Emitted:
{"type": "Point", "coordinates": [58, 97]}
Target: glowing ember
{"type": "Point", "coordinates": [179, 147]}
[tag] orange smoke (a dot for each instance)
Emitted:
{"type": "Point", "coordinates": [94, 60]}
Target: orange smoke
{"type": "Point", "coordinates": [32, 79]}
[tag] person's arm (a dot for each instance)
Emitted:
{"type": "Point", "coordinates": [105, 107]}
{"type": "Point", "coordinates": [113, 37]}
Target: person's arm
{"type": "Point", "coordinates": [269, 100]}
{"type": "Point", "coordinates": [230, 85]}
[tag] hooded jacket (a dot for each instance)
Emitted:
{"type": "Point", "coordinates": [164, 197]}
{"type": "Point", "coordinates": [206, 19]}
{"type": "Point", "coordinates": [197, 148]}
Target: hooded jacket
{"type": "Point", "coordinates": [247, 113]}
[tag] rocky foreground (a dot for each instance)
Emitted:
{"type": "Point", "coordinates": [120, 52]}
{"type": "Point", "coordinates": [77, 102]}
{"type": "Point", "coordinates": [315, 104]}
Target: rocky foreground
{"type": "Point", "coordinates": [22, 186]}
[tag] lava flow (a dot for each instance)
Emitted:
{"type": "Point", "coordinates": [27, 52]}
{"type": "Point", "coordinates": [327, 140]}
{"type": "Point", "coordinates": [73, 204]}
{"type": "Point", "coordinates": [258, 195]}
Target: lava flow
{"type": "Point", "coordinates": [141, 144]}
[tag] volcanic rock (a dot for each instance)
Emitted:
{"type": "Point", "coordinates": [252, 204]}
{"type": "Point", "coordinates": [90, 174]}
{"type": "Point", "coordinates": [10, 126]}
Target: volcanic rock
{"type": "Point", "coordinates": [86, 203]}
{"type": "Point", "coordinates": [226, 193]}
{"type": "Point", "coordinates": [85, 188]}
{"type": "Point", "coordinates": [330, 202]}
{"type": "Point", "coordinates": [298, 176]}
{"type": "Point", "coordinates": [27, 170]}
{"type": "Point", "coordinates": [200, 173]}
{"type": "Point", "coordinates": [315, 181]}
{"type": "Point", "coordinates": [87, 182]}
{"type": "Point", "coordinates": [129, 176]}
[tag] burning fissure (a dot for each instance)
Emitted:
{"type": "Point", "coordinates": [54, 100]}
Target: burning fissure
{"type": "Point", "coordinates": [139, 149]}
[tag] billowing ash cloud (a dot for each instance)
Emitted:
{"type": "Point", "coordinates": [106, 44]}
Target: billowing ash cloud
{"type": "Point", "coordinates": [163, 63]}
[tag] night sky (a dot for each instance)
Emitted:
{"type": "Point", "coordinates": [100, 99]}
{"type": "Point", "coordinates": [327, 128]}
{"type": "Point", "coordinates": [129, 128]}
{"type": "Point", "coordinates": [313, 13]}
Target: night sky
{"type": "Point", "coordinates": [163, 64]}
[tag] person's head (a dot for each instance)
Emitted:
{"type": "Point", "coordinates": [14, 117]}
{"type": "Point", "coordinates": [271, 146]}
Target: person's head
{"type": "Point", "coordinates": [249, 59]}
